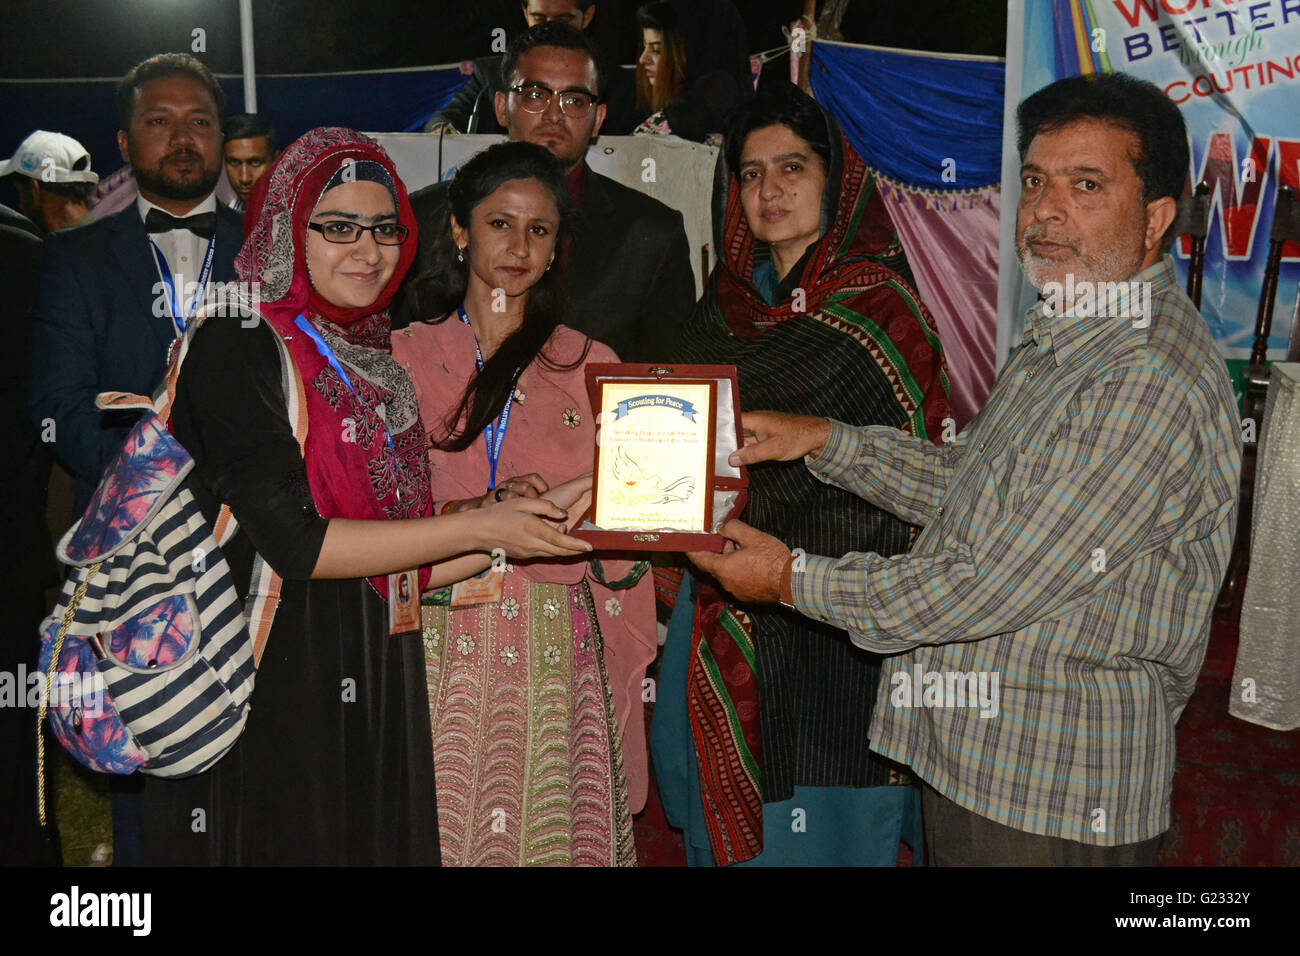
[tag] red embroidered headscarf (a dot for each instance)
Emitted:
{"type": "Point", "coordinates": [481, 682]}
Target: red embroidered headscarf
{"type": "Point", "coordinates": [366, 450]}
{"type": "Point", "coordinates": [856, 234]}
{"type": "Point", "coordinates": [275, 227]}
{"type": "Point", "coordinates": [857, 251]}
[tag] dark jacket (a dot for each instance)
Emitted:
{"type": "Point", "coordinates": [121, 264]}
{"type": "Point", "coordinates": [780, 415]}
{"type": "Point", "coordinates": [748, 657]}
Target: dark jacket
{"type": "Point", "coordinates": [13, 219]}
{"type": "Point", "coordinates": [26, 561]}
{"type": "Point", "coordinates": [628, 269]}
{"type": "Point", "coordinates": [26, 556]}
{"type": "Point", "coordinates": [472, 110]}
{"type": "Point", "coordinates": [94, 330]}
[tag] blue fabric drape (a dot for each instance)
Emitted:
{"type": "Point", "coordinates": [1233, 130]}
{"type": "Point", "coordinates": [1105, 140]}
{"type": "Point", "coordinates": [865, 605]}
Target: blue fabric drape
{"type": "Point", "coordinates": [913, 116]}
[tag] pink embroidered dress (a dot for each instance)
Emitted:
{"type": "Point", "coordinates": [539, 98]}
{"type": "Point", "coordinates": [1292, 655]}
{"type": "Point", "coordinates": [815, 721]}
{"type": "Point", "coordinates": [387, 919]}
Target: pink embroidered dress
{"type": "Point", "coordinates": [538, 727]}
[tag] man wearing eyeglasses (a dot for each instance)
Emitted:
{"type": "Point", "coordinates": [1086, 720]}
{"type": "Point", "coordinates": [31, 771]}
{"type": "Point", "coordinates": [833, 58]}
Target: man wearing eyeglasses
{"type": "Point", "coordinates": [628, 269]}
{"type": "Point", "coordinates": [471, 111]}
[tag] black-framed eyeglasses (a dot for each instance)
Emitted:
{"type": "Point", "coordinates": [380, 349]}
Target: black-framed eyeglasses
{"type": "Point", "coordinates": [342, 231]}
{"type": "Point", "coordinates": [535, 98]}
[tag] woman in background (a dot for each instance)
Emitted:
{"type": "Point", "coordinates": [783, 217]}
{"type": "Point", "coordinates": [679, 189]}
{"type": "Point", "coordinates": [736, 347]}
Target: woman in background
{"type": "Point", "coordinates": [769, 761]}
{"type": "Point", "coordinates": [693, 71]}
{"type": "Point", "coordinates": [534, 669]}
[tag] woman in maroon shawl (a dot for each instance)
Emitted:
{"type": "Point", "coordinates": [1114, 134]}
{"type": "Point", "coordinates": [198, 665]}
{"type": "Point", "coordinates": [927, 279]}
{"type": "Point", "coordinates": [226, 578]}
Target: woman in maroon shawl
{"type": "Point", "coordinates": [335, 764]}
{"type": "Point", "coordinates": [760, 734]}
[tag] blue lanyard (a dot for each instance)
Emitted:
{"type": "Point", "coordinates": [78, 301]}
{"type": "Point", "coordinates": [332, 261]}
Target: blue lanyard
{"type": "Point", "coordinates": [494, 435]}
{"type": "Point", "coordinates": [328, 353]}
{"type": "Point", "coordinates": [173, 300]}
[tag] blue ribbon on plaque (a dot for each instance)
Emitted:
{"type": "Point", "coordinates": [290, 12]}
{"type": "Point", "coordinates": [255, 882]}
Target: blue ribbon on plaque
{"type": "Point", "coordinates": [687, 409]}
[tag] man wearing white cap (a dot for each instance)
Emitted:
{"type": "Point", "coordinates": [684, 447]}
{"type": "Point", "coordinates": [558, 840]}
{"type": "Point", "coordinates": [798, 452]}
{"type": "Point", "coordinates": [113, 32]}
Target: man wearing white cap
{"type": "Point", "coordinates": [53, 178]}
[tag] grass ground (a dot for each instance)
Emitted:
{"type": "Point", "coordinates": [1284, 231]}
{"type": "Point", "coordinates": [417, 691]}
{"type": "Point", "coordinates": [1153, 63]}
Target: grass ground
{"type": "Point", "coordinates": [82, 811]}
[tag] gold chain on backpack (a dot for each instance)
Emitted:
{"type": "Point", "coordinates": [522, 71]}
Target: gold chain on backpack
{"type": "Point", "coordinates": [66, 623]}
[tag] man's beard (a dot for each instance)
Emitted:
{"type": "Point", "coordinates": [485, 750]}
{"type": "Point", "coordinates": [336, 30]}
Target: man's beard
{"type": "Point", "coordinates": [1112, 264]}
{"type": "Point", "coordinates": [158, 182]}
{"type": "Point", "coordinates": [572, 146]}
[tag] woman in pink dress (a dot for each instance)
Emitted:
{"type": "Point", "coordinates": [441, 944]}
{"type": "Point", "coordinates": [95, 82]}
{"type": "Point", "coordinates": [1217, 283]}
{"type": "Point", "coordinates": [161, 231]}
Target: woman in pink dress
{"type": "Point", "coordinates": [535, 668]}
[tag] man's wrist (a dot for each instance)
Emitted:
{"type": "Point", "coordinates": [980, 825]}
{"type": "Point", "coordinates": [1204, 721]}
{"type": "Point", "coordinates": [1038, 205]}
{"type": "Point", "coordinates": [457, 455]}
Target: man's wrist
{"type": "Point", "coordinates": [822, 437]}
{"type": "Point", "coordinates": [787, 583]}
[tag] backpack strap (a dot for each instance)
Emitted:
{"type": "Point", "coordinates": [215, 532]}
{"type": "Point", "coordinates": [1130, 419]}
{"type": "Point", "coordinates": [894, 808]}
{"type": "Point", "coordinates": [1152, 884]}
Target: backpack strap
{"type": "Point", "coordinates": [264, 589]}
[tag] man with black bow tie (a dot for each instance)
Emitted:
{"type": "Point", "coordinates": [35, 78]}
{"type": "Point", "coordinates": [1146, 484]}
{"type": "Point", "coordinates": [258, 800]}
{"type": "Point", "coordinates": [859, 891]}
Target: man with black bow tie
{"type": "Point", "coordinates": [114, 294]}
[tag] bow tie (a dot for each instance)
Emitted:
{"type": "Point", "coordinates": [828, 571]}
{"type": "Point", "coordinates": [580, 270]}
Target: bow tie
{"type": "Point", "coordinates": [203, 225]}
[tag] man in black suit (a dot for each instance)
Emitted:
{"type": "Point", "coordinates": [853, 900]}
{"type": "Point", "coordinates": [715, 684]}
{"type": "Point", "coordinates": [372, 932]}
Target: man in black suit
{"type": "Point", "coordinates": [472, 110]}
{"type": "Point", "coordinates": [627, 266]}
{"type": "Point", "coordinates": [114, 294]}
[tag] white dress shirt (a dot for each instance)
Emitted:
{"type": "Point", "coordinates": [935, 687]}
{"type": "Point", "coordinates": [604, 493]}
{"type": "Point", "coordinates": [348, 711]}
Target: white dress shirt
{"type": "Point", "coordinates": [183, 250]}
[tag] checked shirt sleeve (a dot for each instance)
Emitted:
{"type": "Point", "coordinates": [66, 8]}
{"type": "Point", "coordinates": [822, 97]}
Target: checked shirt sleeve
{"type": "Point", "coordinates": [1019, 544]}
{"type": "Point", "coordinates": [893, 470]}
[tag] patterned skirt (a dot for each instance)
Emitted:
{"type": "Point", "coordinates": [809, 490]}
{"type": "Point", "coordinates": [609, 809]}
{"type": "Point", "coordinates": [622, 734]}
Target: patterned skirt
{"type": "Point", "coordinates": [526, 750]}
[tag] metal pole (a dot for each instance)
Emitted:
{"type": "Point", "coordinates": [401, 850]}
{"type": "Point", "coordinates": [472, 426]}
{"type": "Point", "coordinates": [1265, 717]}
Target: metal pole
{"type": "Point", "coordinates": [809, 23]}
{"type": "Point", "coordinates": [246, 42]}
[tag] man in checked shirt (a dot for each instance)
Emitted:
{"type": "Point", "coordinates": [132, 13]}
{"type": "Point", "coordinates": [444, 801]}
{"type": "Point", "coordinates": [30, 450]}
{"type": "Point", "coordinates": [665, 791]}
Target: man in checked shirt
{"type": "Point", "coordinates": [1074, 535]}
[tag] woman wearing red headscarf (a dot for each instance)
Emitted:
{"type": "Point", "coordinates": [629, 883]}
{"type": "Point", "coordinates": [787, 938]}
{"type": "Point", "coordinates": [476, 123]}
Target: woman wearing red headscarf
{"type": "Point", "coordinates": [335, 764]}
{"type": "Point", "coordinates": [768, 761]}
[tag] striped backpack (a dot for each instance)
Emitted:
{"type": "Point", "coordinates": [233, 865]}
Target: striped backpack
{"type": "Point", "coordinates": [148, 658]}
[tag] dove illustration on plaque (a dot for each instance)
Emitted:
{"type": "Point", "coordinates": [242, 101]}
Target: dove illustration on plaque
{"type": "Point", "coordinates": [635, 487]}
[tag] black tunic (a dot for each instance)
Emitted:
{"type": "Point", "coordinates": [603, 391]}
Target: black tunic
{"type": "Point", "coordinates": [335, 765]}
{"type": "Point", "coordinates": [817, 690]}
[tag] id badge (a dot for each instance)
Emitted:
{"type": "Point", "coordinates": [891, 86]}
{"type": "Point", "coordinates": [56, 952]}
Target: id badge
{"type": "Point", "coordinates": [485, 588]}
{"type": "Point", "coordinates": [403, 602]}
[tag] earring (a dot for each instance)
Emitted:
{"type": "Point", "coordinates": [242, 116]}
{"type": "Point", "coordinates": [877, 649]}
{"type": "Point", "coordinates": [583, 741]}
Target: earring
{"type": "Point", "coordinates": [549, 262]}
{"type": "Point", "coordinates": [460, 253]}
